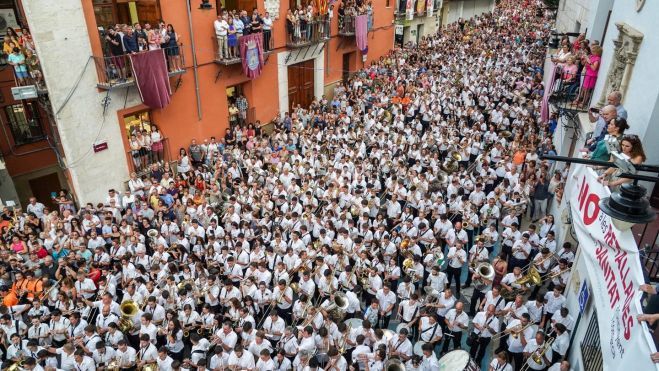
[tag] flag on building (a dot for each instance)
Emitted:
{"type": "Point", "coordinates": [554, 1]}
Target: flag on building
{"type": "Point", "coordinates": [251, 54]}
{"type": "Point", "coordinates": [151, 77]}
{"type": "Point", "coordinates": [361, 32]}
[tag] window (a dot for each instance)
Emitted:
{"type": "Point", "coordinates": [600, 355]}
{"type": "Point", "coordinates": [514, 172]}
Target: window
{"type": "Point", "coordinates": [591, 347]}
{"type": "Point", "coordinates": [109, 12]}
{"type": "Point", "coordinates": [388, 4]}
{"type": "Point", "coordinates": [25, 123]}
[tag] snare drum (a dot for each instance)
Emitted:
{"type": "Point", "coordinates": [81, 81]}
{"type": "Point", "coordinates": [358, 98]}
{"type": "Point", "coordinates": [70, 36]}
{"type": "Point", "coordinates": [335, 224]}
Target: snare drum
{"type": "Point", "coordinates": [417, 348]}
{"type": "Point", "coordinates": [458, 360]}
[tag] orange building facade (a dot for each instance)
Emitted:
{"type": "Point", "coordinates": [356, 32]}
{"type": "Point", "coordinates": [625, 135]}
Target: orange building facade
{"type": "Point", "coordinates": [294, 73]}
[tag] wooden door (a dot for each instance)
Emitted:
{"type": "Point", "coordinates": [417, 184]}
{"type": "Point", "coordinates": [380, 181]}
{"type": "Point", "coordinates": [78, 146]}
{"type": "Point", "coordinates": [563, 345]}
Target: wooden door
{"type": "Point", "coordinates": [43, 186]}
{"type": "Point", "coordinates": [346, 66]}
{"type": "Point", "coordinates": [300, 84]}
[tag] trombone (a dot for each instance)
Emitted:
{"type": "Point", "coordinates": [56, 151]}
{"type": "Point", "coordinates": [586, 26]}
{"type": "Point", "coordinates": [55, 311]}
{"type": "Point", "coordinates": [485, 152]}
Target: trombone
{"type": "Point", "coordinates": [538, 357]}
{"type": "Point", "coordinates": [513, 331]}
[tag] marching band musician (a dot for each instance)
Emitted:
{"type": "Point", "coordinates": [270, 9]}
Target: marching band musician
{"type": "Point", "coordinates": [536, 350]}
{"type": "Point", "coordinates": [517, 334]}
{"type": "Point", "coordinates": [430, 330]}
{"type": "Point", "coordinates": [401, 346]}
{"type": "Point", "coordinates": [561, 343]}
{"type": "Point", "coordinates": [485, 324]}
{"type": "Point", "coordinates": [409, 312]}
{"type": "Point", "coordinates": [456, 322]}
{"type": "Point", "coordinates": [457, 257]}
{"type": "Point", "coordinates": [509, 282]}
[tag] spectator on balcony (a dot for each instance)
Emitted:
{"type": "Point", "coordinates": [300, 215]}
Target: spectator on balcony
{"type": "Point", "coordinates": [153, 37]}
{"type": "Point", "coordinates": [239, 26]}
{"type": "Point", "coordinates": [255, 25]}
{"type": "Point", "coordinates": [369, 12]}
{"type": "Point", "coordinates": [11, 37]}
{"type": "Point", "coordinates": [17, 59]}
{"type": "Point", "coordinates": [592, 65]}
{"type": "Point", "coordinates": [34, 67]}
{"type": "Point", "coordinates": [616, 128]}
{"type": "Point", "coordinates": [246, 20]}
{"type": "Point", "coordinates": [221, 33]}
{"type": "Point", "coordinates": [232, 39]}
{"type": "Point", "coordinates": [140, 32]}
{"type": "Point", "coordinates": [157, 146]}
{"type": "Point", "coordinates": [130, 41]}
{"type": "Point", "coordinates": [267, 31]}
{"type": "Point", "coordinates": [561, 57]}
{"type": "Point", "coordinates": [117, 65]}
{"type": "Point", "coordinates": [25, 40]}
{"type": "Point", "coordinates": [290, 26]}
{"type": "Point", "coordinates": [172, 50]}
{"type": "Point", "coordinates": [601, 120]}
{"type": "Point", "coordinates": [183, 164]}
{"type": "Point", "coordinates": [615, 99]}
{"type": "Point", "coordinates": [632, 147]}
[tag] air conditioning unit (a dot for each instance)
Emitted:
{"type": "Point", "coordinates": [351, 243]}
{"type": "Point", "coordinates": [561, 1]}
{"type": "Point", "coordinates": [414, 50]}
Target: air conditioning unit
{"type": "Point", "coordinates": [24, 92]}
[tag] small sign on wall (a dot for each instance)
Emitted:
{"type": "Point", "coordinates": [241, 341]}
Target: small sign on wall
{"type": "Point", "coordinates": [100, 146]}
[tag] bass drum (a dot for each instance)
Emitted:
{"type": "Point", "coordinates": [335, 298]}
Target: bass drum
{"type": "Point", "coordinates": [458, 360]}
{"type": "Point", "coordinates": [322, 359]}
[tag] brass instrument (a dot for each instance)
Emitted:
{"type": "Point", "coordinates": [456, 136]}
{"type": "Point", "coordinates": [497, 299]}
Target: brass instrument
{"type": "Point", "coordinates": [128, 310]}
{"type": "Point", "coordinates": [537, 356]}
{"type": "Point", "coordinates": [113, 365]}
{"type": "Point", "coordinates": [557, 274]}
{"type": "Point", "coordinates": [344, 341]}
{"type": "Point", "coordinates": [394, 364]}
{"type": "Point", "coordinates": [485, 270]}
{"type": "Point", "coordinates": [405, 243]}
{"type": "Point", "coordinates": [514, 331]}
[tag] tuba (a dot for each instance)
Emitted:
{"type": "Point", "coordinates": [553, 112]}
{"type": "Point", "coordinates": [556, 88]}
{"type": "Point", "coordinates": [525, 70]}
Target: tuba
{"type": "Point", "coordinates": [128, 310]}
{"type": "Point", "coordinates": [394, 364]}
{"type": "Point", "coordinates": [152, 233]}
{"type": "Point", "coordinates": [337, 310]}
{"type": "Point", "coordinates": [486, 271]}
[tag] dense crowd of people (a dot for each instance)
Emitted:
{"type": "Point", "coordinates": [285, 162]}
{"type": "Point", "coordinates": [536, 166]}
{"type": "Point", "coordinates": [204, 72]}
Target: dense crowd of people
{"type": "Point", "coordinates": [349, 238]}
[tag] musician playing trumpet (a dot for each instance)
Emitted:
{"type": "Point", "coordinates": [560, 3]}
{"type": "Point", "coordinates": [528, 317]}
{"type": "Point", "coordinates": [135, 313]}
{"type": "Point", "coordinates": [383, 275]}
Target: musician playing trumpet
{"type": "Point", "coordinates": [518, 334]}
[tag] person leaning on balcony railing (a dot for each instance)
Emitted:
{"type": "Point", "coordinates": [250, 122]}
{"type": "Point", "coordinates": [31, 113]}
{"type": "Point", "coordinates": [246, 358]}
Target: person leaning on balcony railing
{"type": "Point", "coordinates": [631, 146]}
{"type": "Point", "coordinates": [221, 33]}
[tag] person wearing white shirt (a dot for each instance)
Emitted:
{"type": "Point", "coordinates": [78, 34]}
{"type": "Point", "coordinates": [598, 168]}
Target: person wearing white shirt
{"type": "Point", "coordinates": [360, 349]}
{"type": "Point", "coordinates": [486, 324]}
{"type": "Point", "coordinates": [401, 346]}
{"type": "Point", "coordinates": [437, 279]}
{"type": "Point", "coordinates": [265, 362]}
{"type": "Point", "coordinates": [500, 363]}
{"type": "Point", "coordinates": [274, 327]}
{"type": "Point", "coordinates": [429, 361]}
{"type": "Point", "coordinates": [240, 359]}
{"type": "Point", "coordinates": [282, 363]}
{"type": "Point", "coordinates": [509, 281]}
{"type": "Point", "coordinates": [82, 362]}
{"type": "Point", "coordinates": [221, 33]}
{"type": "Point", "coordinates": [533, 348]}
{"type": "Point", "coordinates": [199, 348]}
{"type": "Point", "coordinates": [408, 312]}
{"type": "Point", "coordinates": [456, 257]}
{"type": "Point", "coordinates": [219, 360]}
{"type": "Point", "coordinates": [228, 338]}
{"type": "Point", "coordinates": [148, 353]}
{"type": "Point", "coordinates": [258, 344]}
{"type": "Point", "coordinates": [125, 355]}
{"type": "Point", "coordinates": [387, 300]}
{"type": "Point", "coordinates": [164, 361]}
{"type": "Point", "coordinates": [521, 334]}
{"type": "Point", "coordinates": [521, 251]}
{"type": "Point", "coordinates": [39, 331]}
{"type": "Point", "coordinates": [561, 343]}
{"type": "Point", "coordinates": [564, 318]}
{"type": "Point", "coordinates": [85, 286]}
{"type": "Point", "coordinates": [103, 354]}
{"type": "Point", "coordinates": [456, 322]}
{"type": "Point", "coordinates": [554, 300]}
{"type": "Point", "coordinates": [430, 330]}
{"type": "Point", "coordinates": [560, 366]}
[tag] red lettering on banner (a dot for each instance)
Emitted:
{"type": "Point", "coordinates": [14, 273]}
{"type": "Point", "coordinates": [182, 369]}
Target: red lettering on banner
{"type": "Point", "coordinates": [588, 203]}
{"type": "Point", "coordinates": [601, 254]}
{"type": "Point", "coordinates": [583, 191]}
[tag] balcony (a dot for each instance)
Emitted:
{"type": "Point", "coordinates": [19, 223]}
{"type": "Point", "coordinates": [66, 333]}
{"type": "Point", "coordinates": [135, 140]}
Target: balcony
{"type": "Point", "coordinates": [35, 76]}
{"type": "Point", "coordinates": [308, 33]}
{"type": "Point", "coordinates": [347, 25]}
{"type": "Point", "coordinates": [141, 165]}
{"type": "Point", "coordinates": [116, 72]}
{"type": "Point", "coordinates": [233, 57]}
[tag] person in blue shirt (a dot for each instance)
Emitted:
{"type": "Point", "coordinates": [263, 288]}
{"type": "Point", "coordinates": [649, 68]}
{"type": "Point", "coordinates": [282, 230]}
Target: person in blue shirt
{"type": "Point", "coordinates": [130, 41]}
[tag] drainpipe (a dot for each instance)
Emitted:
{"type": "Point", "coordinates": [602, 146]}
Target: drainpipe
{"type": "Point", "coordinates": [194, 61]}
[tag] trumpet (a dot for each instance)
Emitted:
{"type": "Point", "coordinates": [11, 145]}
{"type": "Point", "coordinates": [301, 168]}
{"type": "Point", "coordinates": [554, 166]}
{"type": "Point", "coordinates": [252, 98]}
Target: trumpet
{"type": "Point", "coordinates": [557, 274]}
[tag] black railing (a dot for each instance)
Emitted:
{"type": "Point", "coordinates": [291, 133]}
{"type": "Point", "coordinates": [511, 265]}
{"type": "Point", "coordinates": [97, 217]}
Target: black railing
{"type": "Point", "coordinates": [116, 70]}
{"type": "Point", "coordinates": [306, 33]}
{"type": "Point", "coordinates": [568, 91]}
{"type": "Point", "coordinates": [591, 348]}
{"type": "Point", "coordinates": [231, 55]}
